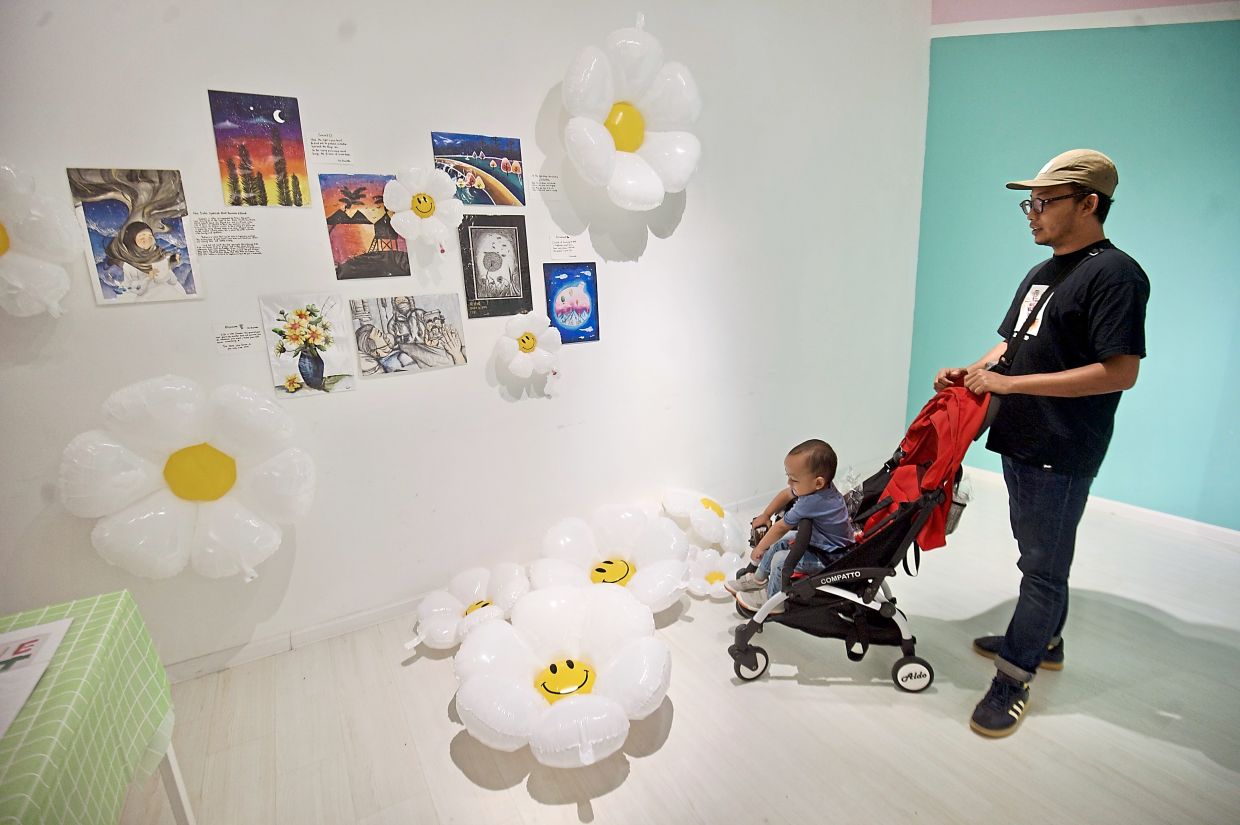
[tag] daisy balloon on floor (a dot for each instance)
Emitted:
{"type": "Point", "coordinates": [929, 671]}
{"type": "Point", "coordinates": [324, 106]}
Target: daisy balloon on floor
{"type": "Point", "coordinates": [709, 569]}
{"type": "Point", "coordinates": [565, 677]}
{"type": "Point", "coordinates": [473, 596]}
{"type": "Point", "coordinates": [178, 476]}
{"type": "Point", "coordinates": [629, 118]}
{"type": "Point", "coordinates": [36, 241]}
{"type": "Point", "coordinates": [705, 521]}
{"type": "Point", "coordinates": [645, 555]}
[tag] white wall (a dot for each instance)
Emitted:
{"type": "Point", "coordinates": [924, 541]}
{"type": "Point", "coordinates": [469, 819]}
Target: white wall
{"type": "Point", "coordinates": [778, 309]}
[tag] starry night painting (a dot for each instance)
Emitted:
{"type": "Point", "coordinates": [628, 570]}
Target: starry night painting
{"type": "Point", "coordinates": [258, 142]}
{"type": "Point", "coordinates": [486, 170]}
{"type": "Point", "coordinates": [572, 300]}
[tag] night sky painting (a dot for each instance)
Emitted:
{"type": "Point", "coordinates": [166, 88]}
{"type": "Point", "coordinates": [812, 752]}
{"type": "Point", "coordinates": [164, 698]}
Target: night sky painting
{"type": "Point", "coordinates": [572, 300]}
{"type": "Point", "coordinates": [486, 170]}
{"type": "Point", "coordinates": [258, 142]}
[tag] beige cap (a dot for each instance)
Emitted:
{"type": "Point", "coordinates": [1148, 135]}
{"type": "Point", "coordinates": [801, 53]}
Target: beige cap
{"type": "Point", "coordinates": [1083, 166]}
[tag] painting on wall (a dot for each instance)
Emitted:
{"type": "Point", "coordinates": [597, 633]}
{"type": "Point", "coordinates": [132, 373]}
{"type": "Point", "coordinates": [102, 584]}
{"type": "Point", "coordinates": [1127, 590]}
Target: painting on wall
{"type": "Point", "coordinates": [359, 227]}
{"type": "Point", "coordinates": [572, 300]}
{"type": "Point", "coordinates": [408, 333]}
{"type": "Point", "coordinates": [496, 265]}
{"type": "Point", "coordinates": [487, 170]}
{"type": "Point", "coordinates": [258, 143]}
{"type": "Point", "coordinates": [133, 227]}
{"type": "Point", "coordinates": [307, 355]}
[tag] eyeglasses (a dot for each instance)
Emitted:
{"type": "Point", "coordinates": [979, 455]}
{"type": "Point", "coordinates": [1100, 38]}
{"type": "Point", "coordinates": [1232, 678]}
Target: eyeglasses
{"type": "Point", "coordinates": [1038, 204]}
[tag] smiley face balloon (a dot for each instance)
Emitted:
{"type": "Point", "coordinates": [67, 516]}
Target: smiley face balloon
{"type": "Point", "coordinates": [564, 678]}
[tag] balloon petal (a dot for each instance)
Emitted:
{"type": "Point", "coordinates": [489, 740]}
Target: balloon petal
{"type": "Point", "coordinates": [546, 573]}
{"type": "Point", "coordinates": [636, 56]}
{"type": "Point", "coordinates": [591, 149]}
{"type": "Point", "coordinates": [231, 539]}
{"type": "Point", "coordinates": [660, 540]}
{"type": "Point", "coordinates": [396, 196]}
{"type": "Point", "coordinates": [637, 677]}
{"type": "Point", "coordinates": [659, 585]}
{"type": "Point", "coordinates": [588, 90]}
{"type": "Point", "coordinates": [521, 366]}
{"type": "Point", "coordinates": [439, 632]}
{"type": "Point", "coordinates": [439, 186]}
{"type": "Point", "coordinates": [30, 286]}
{"type": "Point", "coordinates": [158, 416]}
{"type": "Point", "coordinates": [619, 527]}
{"type": "Point", "coordinates": [634, 185]}
{"type": "Point", "coordinates": [440, 604]}
{"type": "Point", "coordinates": [407, 225]}
{"type": "Point", "coordinates": [450, 211]}
{"type": "Point", "coordinates": [571, 539]}
{"type": "Point", "coordinates": [579, 731]}
{"type": "Point", "coordinates": [508, 583]}
{"type": "Point", "coordinates": [541, 361]}
{"type": "Point", "coordinates": [499, 713]}
{"type": "Point", "coordinates": [248, 426]}
{"type": "Point", "coordinates": [672, 103]}
{"type": "Point", "coordinates": [615, 617]}
{"type": "Point", "coordinates": [281, 488]}
{"type": "Point", "coordinates": [550, 621]}
{"type": "Point", "coordinates": [150, 538]}
{"type": "Point", "coordinates": [470, 585]}
{"type": "Point", "coordinates": [100, 476]}
{"type": "Point", "coordinates": [673, 156]}
{"type": "Point", "coordinates": [496, 649]}
{"type": "Point", "coordinates": [413, 179]}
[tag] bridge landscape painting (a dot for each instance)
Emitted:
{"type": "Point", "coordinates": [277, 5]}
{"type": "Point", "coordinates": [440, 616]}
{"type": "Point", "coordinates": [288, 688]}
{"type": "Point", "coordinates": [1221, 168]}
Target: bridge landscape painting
{"type": "Point", "coordinates": [487, 170]}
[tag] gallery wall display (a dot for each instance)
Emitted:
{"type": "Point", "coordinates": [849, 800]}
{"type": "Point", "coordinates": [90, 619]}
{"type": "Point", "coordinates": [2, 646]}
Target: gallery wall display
{"type": "Point", "coordinates": [305, 347]}
{"type": "Point", "coordinates": [486, 170]}
{"type": "Point", "coordinates": [36, 241]}
{"type": "Point", "coordinates": [133, 229]}
{"type": "Point", "coordinates": [572, 300]}
{"type": "Point", "coordinates": [629, 119]}
{"type": "Point", "coordinates": [496, 265]}
{"type": "Point", "coordinates": [406, 334]}
{"type": "Point", "coordinates": [359, 227]}
{"type": "Point", "coordinates": [259, 147]}
{"type": "Point", "coordinates": [178, 476]}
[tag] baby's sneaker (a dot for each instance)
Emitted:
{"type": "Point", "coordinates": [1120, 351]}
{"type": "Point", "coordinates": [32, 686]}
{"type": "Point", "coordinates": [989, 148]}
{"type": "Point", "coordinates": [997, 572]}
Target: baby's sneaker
{"type": "Point", "coordinates": [744, 584]}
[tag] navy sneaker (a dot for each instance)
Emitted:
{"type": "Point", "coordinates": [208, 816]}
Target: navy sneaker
{"type": "Point", "coordinates": [1001, 709]}
{"type": "Point", "coordinates": [988, 646]}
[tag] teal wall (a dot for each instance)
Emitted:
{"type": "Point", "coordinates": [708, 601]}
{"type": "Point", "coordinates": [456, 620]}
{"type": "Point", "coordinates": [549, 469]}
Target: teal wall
{"type": "Point", "coordinates": [1164, 103]}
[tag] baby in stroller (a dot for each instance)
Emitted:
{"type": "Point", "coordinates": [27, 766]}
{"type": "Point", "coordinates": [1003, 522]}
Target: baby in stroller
{"type": "Point", "coordinates": [811, 495]}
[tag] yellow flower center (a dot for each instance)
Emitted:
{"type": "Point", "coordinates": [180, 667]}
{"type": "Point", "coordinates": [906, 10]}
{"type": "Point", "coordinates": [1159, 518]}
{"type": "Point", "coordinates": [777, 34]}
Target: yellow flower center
{"type": "Point", "coordinates": [627, 126]}
{"type": "Point", "coordinates": [527, 342]}
{"type": "Point", "coordinates": [564, 677]}
{"type": "Point", "coordinates": [4, 239]}
{"type": "Point", "coordinates": [478, 605]}
{"type": "Point", "coordinates": [423, 205]}
{"type": "Point", "coordinates": [612, 571]}
{"type": "Point", "coordinates": [715, 576]}
{"type": "Point", "coordinates": [200, 473]}
{"type": "Point", "coordinates": [714, 506]}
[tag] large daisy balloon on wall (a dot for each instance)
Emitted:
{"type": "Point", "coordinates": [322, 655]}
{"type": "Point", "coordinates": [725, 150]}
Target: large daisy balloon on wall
{"type": "Point", "coordinates": [180, 477]}
{"type": "Point", "coordinates": [629, 118]}
{"type": "Point", "coordinates": [624, 546]}
{"type": "Point", "coordinates": [424, 205]}
{"type": "Point", "coordinates": [35, 244]}
{"type": "Point", "coordinates": [565, 677]}
{"type": "Point", "coordinates": [474, 596]}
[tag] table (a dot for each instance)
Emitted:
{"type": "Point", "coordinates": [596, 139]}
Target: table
{"type": "Point", "coordinates": [101, 713]}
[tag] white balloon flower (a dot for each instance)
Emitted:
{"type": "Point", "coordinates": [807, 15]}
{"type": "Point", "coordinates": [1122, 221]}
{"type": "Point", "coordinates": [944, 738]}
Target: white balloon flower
{"type": "Point", "coordinates": [36, 242]}
{"type": "Point", "coordinates": [529, 345]}
{"type": "Point", "coordinates": [629, 116]}
{"type": "Point", "coordinates": [565, 677]}
{"type": "Point", "coordinates": [473, 596]}
{"type": "Point", "coordinates": [624, 546]}
{"type": "Point", "coordinates": [424, 205]}
{"type": "Point", "coordinates": [180, 477]}
{"type": "Point", "coordinates": [709, 569]}
{"type": "Point", "coordinates": [707, 523]}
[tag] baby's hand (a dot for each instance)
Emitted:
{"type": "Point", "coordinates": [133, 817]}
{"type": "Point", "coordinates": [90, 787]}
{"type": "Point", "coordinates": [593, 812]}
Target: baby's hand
{"type": "Point", "coordinates": [756, 555]}
{"type": "Point", "coordinates": [760, 522]}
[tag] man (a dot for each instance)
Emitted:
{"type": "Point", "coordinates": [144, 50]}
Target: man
{"type": "Point", "coordinates": [1060, 375]}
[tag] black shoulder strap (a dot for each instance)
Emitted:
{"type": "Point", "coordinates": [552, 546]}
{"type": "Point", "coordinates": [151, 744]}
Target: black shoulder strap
{"type": "Point", "coordinates": [1020, 336]}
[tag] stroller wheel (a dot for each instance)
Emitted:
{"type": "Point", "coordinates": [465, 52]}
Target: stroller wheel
{"type": "Point", "coordinates": [751, 664]}
{"type": "Point", "coordinates": [912, 674]}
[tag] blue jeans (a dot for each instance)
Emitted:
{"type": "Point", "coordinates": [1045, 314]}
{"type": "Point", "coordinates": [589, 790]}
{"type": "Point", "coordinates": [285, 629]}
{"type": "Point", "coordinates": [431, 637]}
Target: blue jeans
{"type": "Point", "coordinates": [1045, 508]}
{"type": "Point", "coordinates": [772, 564]}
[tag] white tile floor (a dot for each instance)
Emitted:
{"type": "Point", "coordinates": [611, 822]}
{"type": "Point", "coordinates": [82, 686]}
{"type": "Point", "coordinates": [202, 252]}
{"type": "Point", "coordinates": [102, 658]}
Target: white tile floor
{"type": "Point", "coordinates": [1142, 725]}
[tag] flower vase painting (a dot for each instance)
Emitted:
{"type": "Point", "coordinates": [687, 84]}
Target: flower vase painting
{"type": "Point", "coordinates": [308, 356]}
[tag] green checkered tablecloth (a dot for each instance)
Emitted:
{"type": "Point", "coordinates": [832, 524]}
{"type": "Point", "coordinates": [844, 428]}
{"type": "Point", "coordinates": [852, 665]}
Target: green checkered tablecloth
{"type": "Point", "coordinates": [101, 712]}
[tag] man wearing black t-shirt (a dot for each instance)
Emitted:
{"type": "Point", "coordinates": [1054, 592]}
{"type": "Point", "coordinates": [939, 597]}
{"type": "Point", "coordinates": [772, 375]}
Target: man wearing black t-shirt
{"type": "Point", "coordinates": [1061, 373]}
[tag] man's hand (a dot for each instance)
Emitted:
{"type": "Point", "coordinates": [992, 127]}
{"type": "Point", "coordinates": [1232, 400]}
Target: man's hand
{"type": "Point", "coordinates": [947, 376]}
{"type": "Point", "coordinates": [980, 381]}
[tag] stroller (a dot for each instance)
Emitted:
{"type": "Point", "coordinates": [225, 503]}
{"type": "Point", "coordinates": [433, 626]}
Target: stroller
{"type": "Point", "coordinates": [907, 504]}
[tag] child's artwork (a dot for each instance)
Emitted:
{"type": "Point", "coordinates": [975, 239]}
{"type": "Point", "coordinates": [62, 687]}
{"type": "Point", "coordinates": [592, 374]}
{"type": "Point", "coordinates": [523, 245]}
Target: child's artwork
{"type": "Point", "coordinates": [487, 170]}
{"type": "Point", "coordinates": [408, 333]}
{"type": "Point", "coordinates": [496, 265]}
{"type": "Point", "coordinates": [133, 225]}
{"type": "Point", "coordinates": [307, 354]}
{"type": "Point", "coordinates": [258, 143]}
{"type": "Point", "coordinates": [359, 227]}
{"type": "Point", "coordinates": [572, 300]}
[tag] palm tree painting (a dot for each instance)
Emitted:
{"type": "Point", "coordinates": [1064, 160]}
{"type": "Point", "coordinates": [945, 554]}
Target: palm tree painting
{"type": "Point", "coordinates": [359, 227]}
